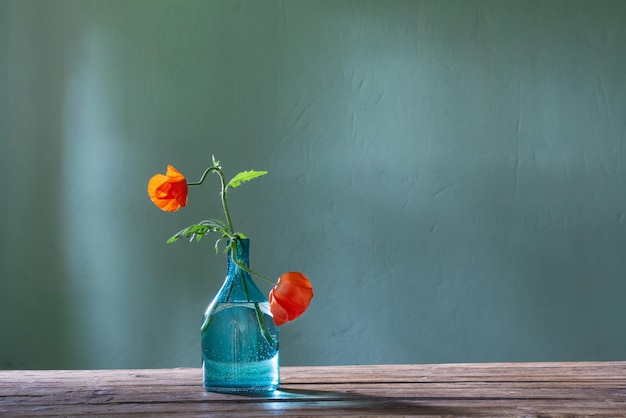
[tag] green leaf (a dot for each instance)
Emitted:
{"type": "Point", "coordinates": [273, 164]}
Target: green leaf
{"type": "Point", "coordinates": [214, 223]}
{"type": "Point", "coordinates": [217, 245]}
{"type": "Point", "coordinates": [244, 176]}
{"type": "Point", "coordinates": [199, 230]}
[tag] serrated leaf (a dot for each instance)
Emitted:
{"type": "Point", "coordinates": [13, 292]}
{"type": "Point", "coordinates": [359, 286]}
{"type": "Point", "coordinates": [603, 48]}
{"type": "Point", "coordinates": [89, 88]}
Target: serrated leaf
{"type": "Point", "coordinates": [244, 176]}
{"type": "Point", "coordinates": [199, 230]}
{"type": "Point", "coordinates": [215, 223]}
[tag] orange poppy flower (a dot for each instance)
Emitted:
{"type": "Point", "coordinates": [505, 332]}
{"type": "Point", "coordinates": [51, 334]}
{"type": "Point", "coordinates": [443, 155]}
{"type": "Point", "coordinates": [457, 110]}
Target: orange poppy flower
{"type": "Point", "coordinates": [168, 191]}
{"type": "Point", "coordinates": [290, 297]}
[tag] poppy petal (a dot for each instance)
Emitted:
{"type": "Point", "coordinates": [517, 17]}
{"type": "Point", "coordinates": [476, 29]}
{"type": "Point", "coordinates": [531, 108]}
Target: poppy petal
{"type": "Point", "coordinates": [279, 315]}
{"type": "Point", "coordinates": [290, 297]}
{"type": "Point", "coordinates": [169, 192]}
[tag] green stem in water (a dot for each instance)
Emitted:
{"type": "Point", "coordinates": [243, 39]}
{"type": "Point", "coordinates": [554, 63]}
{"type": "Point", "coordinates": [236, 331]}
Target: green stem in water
{"type": "Point", "coordinates": [259, 314]}
{"type": "Point", "coordinates": [266, 333]}
{"type": "Point", "coordinates": [257, 309]}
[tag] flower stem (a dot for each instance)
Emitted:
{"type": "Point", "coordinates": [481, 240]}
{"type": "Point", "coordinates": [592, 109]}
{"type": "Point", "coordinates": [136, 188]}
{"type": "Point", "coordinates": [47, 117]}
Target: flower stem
{"type": "Point", "coordinates": [224, 203]}
{"type": "Point", "coordinates": [220, 173]}
{"type": "Point", "coordinates": [230, 234]}
{"type": "Point", "coordinates": [259, 315]}
{"type": "Point", "coordinates": [249, 270]}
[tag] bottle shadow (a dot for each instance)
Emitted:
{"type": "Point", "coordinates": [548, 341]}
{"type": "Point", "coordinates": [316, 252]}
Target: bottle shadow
{"type": "Point", "coordinates": [303, 401]}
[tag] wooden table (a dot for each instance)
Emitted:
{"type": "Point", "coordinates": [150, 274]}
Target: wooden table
{"type": "Point", "coordinates": [505, 389]}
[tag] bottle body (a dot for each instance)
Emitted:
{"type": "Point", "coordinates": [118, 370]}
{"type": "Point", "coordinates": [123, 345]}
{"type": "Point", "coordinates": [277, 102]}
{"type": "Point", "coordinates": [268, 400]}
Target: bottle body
{"type": "Point", "coordinates": [238, 338]}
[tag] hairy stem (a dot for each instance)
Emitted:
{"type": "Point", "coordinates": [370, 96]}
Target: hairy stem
{"type": "Point", "coordinates": [224, 203]}
{"type": "Point", "coordinates": [249, 270]}
{"type": "Point", "coordinates": [220, 173]}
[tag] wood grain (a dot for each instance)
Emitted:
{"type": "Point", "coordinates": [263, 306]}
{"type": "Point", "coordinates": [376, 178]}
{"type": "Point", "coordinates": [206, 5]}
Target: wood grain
{"type": "Point", "coordinates": [494, 389]}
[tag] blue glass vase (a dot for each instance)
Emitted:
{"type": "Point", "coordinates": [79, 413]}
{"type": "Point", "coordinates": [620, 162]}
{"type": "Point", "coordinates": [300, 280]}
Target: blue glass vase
{"type": "Point", "coordinates": [239, 340]}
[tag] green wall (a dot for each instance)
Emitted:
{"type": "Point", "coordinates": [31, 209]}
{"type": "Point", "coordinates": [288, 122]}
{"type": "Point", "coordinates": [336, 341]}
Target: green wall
{"type": "Point", "coordinates": [449, 174]}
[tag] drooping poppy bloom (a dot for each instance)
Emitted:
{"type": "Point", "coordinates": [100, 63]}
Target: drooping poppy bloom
{"type": "Point", "coordinates": [168, 191]}
{"type": "Point", "coordinates": [290, 297]}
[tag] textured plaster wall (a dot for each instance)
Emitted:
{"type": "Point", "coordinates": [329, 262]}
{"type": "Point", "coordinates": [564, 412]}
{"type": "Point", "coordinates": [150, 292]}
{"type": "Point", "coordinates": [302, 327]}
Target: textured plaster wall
{"type": "Point", "coordinates": [450, 174]}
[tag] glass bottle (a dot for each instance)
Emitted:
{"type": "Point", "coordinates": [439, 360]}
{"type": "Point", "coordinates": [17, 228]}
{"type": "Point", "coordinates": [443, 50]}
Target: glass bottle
{"type": "Point", "coordinates": [238, 338]}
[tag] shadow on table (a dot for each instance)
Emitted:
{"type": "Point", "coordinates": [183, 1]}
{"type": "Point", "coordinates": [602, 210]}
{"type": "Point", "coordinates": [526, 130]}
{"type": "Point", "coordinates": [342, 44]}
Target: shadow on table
{"type": "Point", "coordinates": [303, 401]}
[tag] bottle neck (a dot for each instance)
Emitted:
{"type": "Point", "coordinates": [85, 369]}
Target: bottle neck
{"type": "Point", "coordinates": [239, 285]}
{"type": "Point", "coordinates": [241, 253]}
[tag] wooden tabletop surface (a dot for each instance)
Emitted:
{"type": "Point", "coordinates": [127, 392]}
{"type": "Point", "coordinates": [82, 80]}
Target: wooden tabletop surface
{"type": "Point", "coordinates": [486, 389]}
